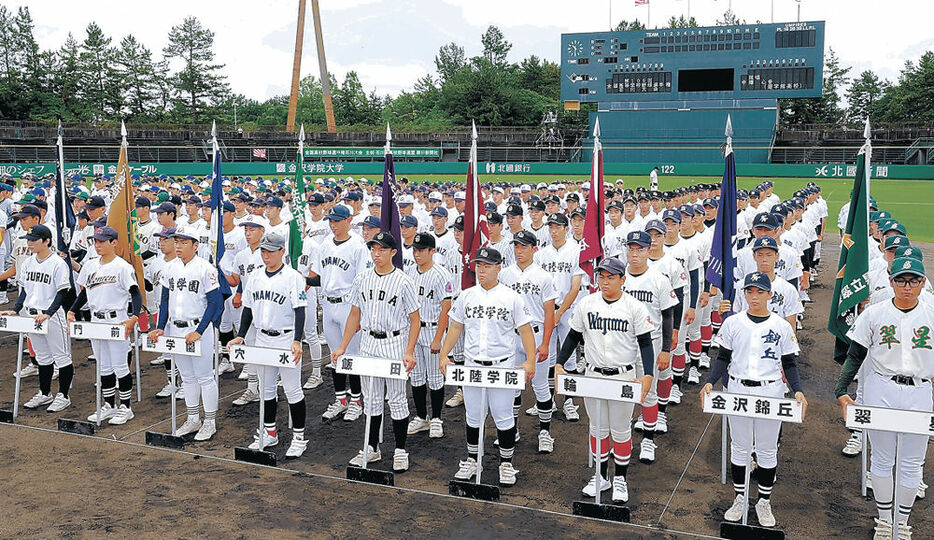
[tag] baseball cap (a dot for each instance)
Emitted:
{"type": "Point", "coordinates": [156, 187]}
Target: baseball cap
{"type": "Point", "coordinates": [765, 242]}
{"type": "Point", "coordinates": [765, 220]}
{"type": "Point", "coordinates": [383, 239]}
{"type": "Point", "coordinates": [538, 206]}
{"type": "Point", "coordinates": [423, 241]}
{"type": "Point", "coordinates": [757, 279]}
{"type": "Point", "coordinates": [254, 221]}
{"type": "Point", "coordinates": [640, 238]}
{"type": "Point", "coordinates": [184, 231]}
{"type": "Point", "coordinates": [229, 207]}
{"type": "Point", "coordinates": [656, 225]}
{"type": "Point", "coordinates": [459, 196]}
{"type": "Point", "coordinates": [439, 211]}
{"type": "Point", "coordinates": [142, 202]}
{"type": "Point", "coordinates": [896, 241]}
{"type": "Point", "coordinates": [494, 218]}
{"type": "Point", "coordinates": [372, 221]}
{"type": "Point", "coordinates": [615, 204]}
{"type": "Point", "coordinates": [338, 212]}
{"type": "Point", "coordinates": [405, 199]}
{"type": "Point", "coordinates": [906, 265]}
{"type": "Point", "coordinates": [686, 210]}
{"type": "Point", "coordinates": [909, 251]}
{"type": "Point", "coordinates": [28, 210]}
{"type": "Point", "coordinates": [166, 207]}
{"type": "Point", "coordinates": [272, 241]}
{"type": "Point", "coordinates": [41, 204]}
{"type": "Point", "coordinates": [166, 232]}
{"type": "Point", "coordinates": [893, 226]}
{"type": "Point", "coordinates": [558, 219]}
{"type": "Point", "coordinates": [274, 201]}
{"type": "Point", "coordinates": [514, 210]}
{"type": "Point", "coordinates": [489, 256]}
{"type": "Point", "coordinates": [408, 221]}
{"type": "Point", "coordinates": [525, 238]}
{"type": "Point", "coordinates": [96, 202]}
{"type": "Point", "coordinates": [316, 199]}
{"type": "Point", "coordinates": [459, 223]}
{"type": "Point", "coordinates": [40, 232]}
{"type": "Point", "coordinates": [711, 202]}
{"type": "Point", "coordinates": [434, 196]}
{"type": "Point", "coordinates": [673, 215]}
{"type": "Point", "coordinates": [104, 234]}
{"type": "Point", "coordinates": [611, 265]}
{"type": "Point", "coordinates": [579, 212]}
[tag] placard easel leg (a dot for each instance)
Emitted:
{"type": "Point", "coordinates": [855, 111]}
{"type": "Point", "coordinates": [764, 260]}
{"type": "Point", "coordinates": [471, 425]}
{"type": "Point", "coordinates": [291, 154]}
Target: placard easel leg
{"type": "Point", "coordinates": [748, 474]}
{"type": "Point", "coordinates": [97, 392]}
{"type": "Point", "coordinates": [482, 430]}
{"type": "Point", "coordinates": [171, 440]}
{"type": "Point", "coordinates": [19, 368]}
{"type": "Point", "coordinates": [895, 476]}
{"type": "Point", "coordinates": [362, 473]}
{"type": "Point", "coordinates": [863, 460]}
{"type": "Point", "coordinates": [174, 374]}
{"type": "Point", "coordinates": [217, 346]}
{"type": "Point", "coordinates": [262, 404]}
{"type": "Point", "coordinates": [139, 375]}
{"type": "Point", "coordinates": [366, 429]}
{"type": "Point", "coordinates": [723, 443]}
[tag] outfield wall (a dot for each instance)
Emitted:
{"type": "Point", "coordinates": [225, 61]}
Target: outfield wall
{"type": "Point", "coordinates": [375, 169]}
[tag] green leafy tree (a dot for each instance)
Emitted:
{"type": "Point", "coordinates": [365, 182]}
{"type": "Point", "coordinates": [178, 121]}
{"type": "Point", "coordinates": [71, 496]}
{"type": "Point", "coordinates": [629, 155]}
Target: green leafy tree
{"type": "Point", "coordinates": [138, 73]}
{"type": "Point", "coordinates": [625, 26]}
{"type": "Point", "coordinates": [198, 86]}
{"type": "Point", "coordinates": [101, 88]}
{"type": "Point", "coordinates": [864, 96]}
{"type": "Point", "coordinates": [822, 110]}
{"type": "Point", "coordinates": [495, 46]}
{"type": "Point", "coordinates": [67, 82]}
{"type": "Point", "coordinates": [730, 19]}
{"type": "Point", "coordinates": [450, 60]}
{"type": "Point", "coordinates": [681, 22]}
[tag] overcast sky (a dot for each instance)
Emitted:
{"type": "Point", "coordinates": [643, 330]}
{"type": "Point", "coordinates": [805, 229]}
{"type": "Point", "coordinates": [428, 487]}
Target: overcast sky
{"type": "Point", "coordinates": [391, 43]}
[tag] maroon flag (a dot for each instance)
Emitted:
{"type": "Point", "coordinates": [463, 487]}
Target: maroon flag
{"type": "Point", "coordinates": [476, 229]}
{"type": "Point", "coordinates": [594, 224]}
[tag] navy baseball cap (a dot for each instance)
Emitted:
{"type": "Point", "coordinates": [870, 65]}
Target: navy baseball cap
{"type": "Point", "coordinates": [514, 210]}
{"type": "Point", "coordinates": [764, 242]}
{"type": "Point", "coordinates": [408, 221]}
{"type": "Point", "coordinates": [338, 212]}
{"type": "Point", "coordinates": [229, 207]}
{"type": "Point", "coordinates": [105, 234]}
{"type": "Point", "coordinates": [439, 211]}
{"type": "Point", "coordinates": [28, 210]}
{"type": "Point", "coordinates": [166, 232]}
{"type": "Point", "coordinates": [372, 221]}
{"type": "Point", "coordinates": [673, 215]}
{"type": "Point", "coordinates": [765, 220]}
{"type": "Point", "coordinates": [383, 239]}
{"type": "Point", "coordinates": [143, 202]}
{"type": "Point", "coordinates": [489, 256]}
{"type": "Point", "coordinates": [96, 202]}
{"type": "Point", "coordinates": [640, 238]}
{"type": "Point", "coordinates": [494, 218]}
{"type": "Point", "coordinates": [525, 238]}
{"type": "Point", "coordinates": [423, 241]}
{"type": "Point", "coordinates": [558, 219]}
{"type": "Point", "coordinates": [612, 265]}
{"type": "Point", "coordinates": [579, 212]}
{"type": "Point", "coordinates": [757, 279]}
{"type": "Point", "coordinates": [459, 223]}
{"type": "Point", "coordinates": [686, 210]}
{"type": "Point", "coordinates": [317, 198]}
{"type": "Point", "coordinates": [166, 207]}
{"type": "Point", "coordinates": [274, 201]}
{"type": "Point", "coordinates": [711, 202]}
{"type": "Point", "coordinates": [656, 225]}
{"type": "Point", "coordinates": [40, 232]}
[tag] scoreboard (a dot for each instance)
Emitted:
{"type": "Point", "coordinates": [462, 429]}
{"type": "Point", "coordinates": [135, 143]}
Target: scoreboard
{"type": "Point", "coordinates": [783, 60]}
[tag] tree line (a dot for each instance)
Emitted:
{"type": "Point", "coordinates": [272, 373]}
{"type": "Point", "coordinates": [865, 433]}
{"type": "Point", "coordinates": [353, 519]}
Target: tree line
{"type": "Point", "coordinates": [99, 78]}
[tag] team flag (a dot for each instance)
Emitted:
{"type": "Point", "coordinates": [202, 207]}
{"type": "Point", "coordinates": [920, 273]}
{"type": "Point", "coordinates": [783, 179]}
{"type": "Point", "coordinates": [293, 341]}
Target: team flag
{"type": "Point", "coordinates": [389, 211]}
{"type": "Point", "coordinates": [217, 217]}
{"type": "Point", "coordinates": [122, 216]}
{"type": "Point", "coordinates": [476, 229]}
{"type": "Point", "coordinates": [297, 223]}
{"type": "Point", "coordinates": [259, 153]}
{"type": "Point", "coordinates": [852, 283]}
{"type": "Point", "coordinates": [722, 254]}
{"type": "Point", "coordinates": [64, 213]}
{"type": "Point", "coordinates": [594, 224]}
{"type": "Point", "coordinates": [641, 2]}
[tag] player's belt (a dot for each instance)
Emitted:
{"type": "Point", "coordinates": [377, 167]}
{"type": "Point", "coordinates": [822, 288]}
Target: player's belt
{"type": "Point", "coordinates": [610, 371]}
{"type": "Point", "coordinates": [426, 324]}
{"type": "Point", "coordinates": [32, 311]}
{"type": "Point", "coordinates": [334, 299]}
{"type": "Point", "coordinates": [275, 333]}
{"type": "Point", "coordinates": [384, 335]}
{"type": "Point", "coordinates": [906, 380]}
{"type": "Point", "coordinates": [104, 314]}
{"type": "Point", "coordinates": [489, 363]}
{"type": "Point", "coordinates": [751, 382]}
{"type": "Point", "coordinates": [186, 324]}
{"type": "Point", "coordinates": [535, 329]}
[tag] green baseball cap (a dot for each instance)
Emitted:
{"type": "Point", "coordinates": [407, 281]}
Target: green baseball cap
{"type": "Point", "coordinates": [82, 196]}
{"type": "Point", "coordinates": [874, 216]}
{"type": "Point", "coordinates": [910, 252]}
{"type": "Point", "coordinates": [906, 265]}
{"type": "Point", "coordinates": [883, 214]}
{"type": "Point", "coordinates": [896, 241]}
{"type": "Point", "coordinates": [162, 197]}
{"type": "Point", "coordinates": [894, 226]}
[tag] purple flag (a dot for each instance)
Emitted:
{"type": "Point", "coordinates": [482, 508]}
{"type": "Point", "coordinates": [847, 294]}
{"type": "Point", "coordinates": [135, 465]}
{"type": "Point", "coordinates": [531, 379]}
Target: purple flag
{"type": "Point", "coordinates": [722, 256]}
{"type": "Point", "coordinates": [389, 212]}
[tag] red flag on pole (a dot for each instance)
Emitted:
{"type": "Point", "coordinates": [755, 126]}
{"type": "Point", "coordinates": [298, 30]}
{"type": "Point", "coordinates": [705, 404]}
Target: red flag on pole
{"type": "Point", "coordinates": [594, 224]}
{"type": "Point", "coordinates": [476, 229]}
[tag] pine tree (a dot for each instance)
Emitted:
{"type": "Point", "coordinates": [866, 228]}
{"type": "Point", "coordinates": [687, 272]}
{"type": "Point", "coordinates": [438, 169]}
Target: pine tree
{"type": "Point", "coordinates": [198, 86]}
{"type": "Point", "coordinates": [136, 69]}
{"type": "Point", "coordinates": [99, 82]}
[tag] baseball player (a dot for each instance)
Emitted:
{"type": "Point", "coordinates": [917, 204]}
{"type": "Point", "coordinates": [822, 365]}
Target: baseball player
{"type": "Point", "coordinates": [756, 348]}
{"type": "Point", "coordinates": [246, 261]}
{"type": "Point", "coordinates": [536, 288]}
{"type": "Point", "coordinates": [488, 315]}
{"type": "Point", "coordinates": [616, 330]}
{"type": "Point", "coordinates": [274, 299]}
{"type": "Point", "coordinates": [382, 301]}
{"type": "Point", "coordinates": [310, 247]}
{"type": "Point", "coordinates": [191, 299]}
{"type": "Point", "coordinates": [234, 242]}
{"type": "Point", "coordinates": [784, 301]}
{"type": "Point", "coordinates": [109, 286]}
{"type": "Point", "coordinates": [433, 284]}
{"type": "Point", "coordinates": [153, 278]}
{"type": "Point", "coordinates": [44, 285]}
{"type": "Point", "coordinates": [341, 258]}
{"type": "Point", "coordinates": [895, 337]}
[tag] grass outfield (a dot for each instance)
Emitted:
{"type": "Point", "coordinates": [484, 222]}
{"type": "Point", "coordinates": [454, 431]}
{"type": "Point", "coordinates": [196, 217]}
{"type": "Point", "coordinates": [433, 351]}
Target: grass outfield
{"type": "Point", "coordinates": [910, 201]}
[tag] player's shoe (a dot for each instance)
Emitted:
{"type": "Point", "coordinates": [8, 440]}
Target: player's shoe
{"type": "Point", "coordinates": [208, 429]}
{"type": "Point", "coordinates": [546, 443]}
{"type": "Point", "coordinates": [883, 530]}
{"type": "Point", "coordinates": [157, 361]}
{"type": "Point", "coordinates": [647, 451]}
{"type": "Point", "coordinates": [417, 425]}
{"type": "Point", "coordinates": [243, 374]}
{"type": "Point", "coordinates": [570, 411]}
{"type": "Point", "coordinates": [28, 370]}
{"type": "Point", "coordinates": [676, 395]}
{"type": "Point", "coordinates": [225, 367]}
{"type": "Point", "coordinates": [165, 392]}
{"type": "Point", "coordinates": [764, 513]}
{"type": "Point", "coordinates": [661, 425]}
{"type": "Point", "coordinates": [191, 425]}
{"type": "Point", "coordinates": [314, 381]}
{"type": "Point", "coordinates": [590, 489]}
{"type": "Point", "coordinates": [372, 455]}
{"type": "Point", "coordinates": [467, 469]}
{"type": "Point", "coordinates": [868, 480]}
{"type": "Point", "coordinates": [106, 413]}
{"type": "Point", "coordinates": [4, 298]}
{"type": "Point", "coordinates": [122, 416]}
{"type": "Point", "coordinates": [92, 358]}
{"type": "Point", "coordinates": [922, 490]}
{"type": "Point", "coordinates": [248, 396]}
{"type": "Point", "coordinates": [400, 460]}
{"type": "Point", "coordinates": [55, 373]}
{"type": "Point", "coordinates": [620, 490]}
{"type": "Point", "coordinates": [693, 375]}
{"type": "Point", "coordinates": [436, 429]}
{"type": "Point", "coordinates": [532, 411]}
{"type": "Point", "coordinates": [354, 410]}
{"type": "Point", "coordinates": [61, 403]}
{"type": "Point", "coordinates": [179, 393]}
{"type": "Point", "coordinates": [507, 474]}
{"type": "Point", "coordinates": [853, 445]}
{"type": "Point", "coordinates": [704, 361]}
{"type": "Point", "coordinates": [334, 410]}
{"type": "Point", "coordinates": [296, 448]}
{"type": "Point", "coordinates": [904, 531]}
{"type": "Point", "coordinates": [639, 425]}
{"type": "Point", "coordinates": [268, 440]}
{"type": "Point", "coordinates": [735, 512]}
{"type": "Point", "coordinates": [456, 400]}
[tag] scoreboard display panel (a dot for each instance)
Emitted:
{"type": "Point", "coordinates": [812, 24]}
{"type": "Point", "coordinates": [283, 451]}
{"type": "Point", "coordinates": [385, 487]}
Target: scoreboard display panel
{"type": "Point", "coordinates": [782, 60]}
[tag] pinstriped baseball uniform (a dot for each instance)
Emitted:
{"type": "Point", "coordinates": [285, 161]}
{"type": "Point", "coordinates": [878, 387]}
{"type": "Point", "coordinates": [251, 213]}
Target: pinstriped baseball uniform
{"type": "Point", "coordinates": [385, 303]}
{"type": "Point", "coordinates": [432, 287]}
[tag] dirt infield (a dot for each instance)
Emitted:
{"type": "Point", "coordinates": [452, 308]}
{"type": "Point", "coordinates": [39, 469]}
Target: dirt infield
{"type": "Point", "coordinates": [66, 485]}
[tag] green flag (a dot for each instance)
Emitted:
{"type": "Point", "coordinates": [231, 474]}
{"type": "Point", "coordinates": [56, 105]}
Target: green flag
{"type": "Point", "coordinates": [297, 224]}
{"type": "Point", "coordinates": [852, 283]}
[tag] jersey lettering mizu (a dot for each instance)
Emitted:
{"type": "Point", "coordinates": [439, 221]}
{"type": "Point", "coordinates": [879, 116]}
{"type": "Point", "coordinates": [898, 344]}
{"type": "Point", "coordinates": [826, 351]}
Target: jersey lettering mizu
{"type": "Point", "coordinates": [385, 300]}
{"type": "Point", "coordinates": [43, 279]}
{"type": "Point", "coordinates": [432, 287]}
{"type": "Point", "coordinates": [899, 342]}
{"type": "Point", "coordinates": [757, 347]}
{"type": "Point", "coordinates": [274, 298]}
{"type": "Point", "coordinates": [654, 290]}
{"type": "Point", "coordinates": [610, 329]}
{"type": "Point", "coordinates": [338, 264]}
{"type": "Point", "coordinates": [490, 318]}
{"type": "Point", "coordinates": [108, 285]}
{"type": "Point", "coordinates": [188, 286]}
{"type": "Point", "coordinates": [533, 285]}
